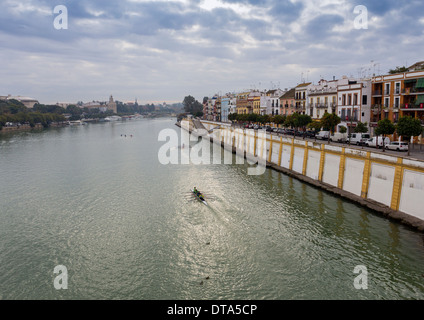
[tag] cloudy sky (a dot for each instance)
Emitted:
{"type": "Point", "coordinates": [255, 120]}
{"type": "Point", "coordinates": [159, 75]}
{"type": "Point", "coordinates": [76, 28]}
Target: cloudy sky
{"type": "Point", "coordinates": [162, 50]}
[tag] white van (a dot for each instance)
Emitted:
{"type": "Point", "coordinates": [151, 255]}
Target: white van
{"type": "Point", "coordinates": [377, 142]}
{"type": "Point", "coordinates": [323, 135]}
{"type": "Point", "coordinates": [359, 138]}
{"type": "Point", "coordinates": [338, 137]}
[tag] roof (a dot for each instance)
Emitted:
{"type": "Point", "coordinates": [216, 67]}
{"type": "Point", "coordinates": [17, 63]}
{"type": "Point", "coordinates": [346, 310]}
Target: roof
{"type": "Point", "coordinates": [304, 85]}
{"type": "Point", "coordinates": [418, 64]}
{"type": "Point", "coordinates": [289, 94]}
{"type": "Point", "coordinates": [19, 98]}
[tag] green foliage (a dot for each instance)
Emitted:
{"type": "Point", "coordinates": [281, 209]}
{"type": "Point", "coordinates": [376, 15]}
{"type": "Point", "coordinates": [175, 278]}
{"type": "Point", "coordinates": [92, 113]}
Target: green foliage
{"type": "Point", "coordinates": [385, 127]}
{"type": "Point", "coordinates": [361, 127]}
{"type": "Point", "coordinates": [408, 127]}
{"type": "Point", "coordinates": [398, 70]}
{"type": "Point", "coordinates": [329, 121]}
{"type": "Point", "coordinates": [279, 119]}
{"type": "Point", "coordinates": [232, 116]}
{"type": "Point", "coordinates": [191, 105]}
{"type": "Point", "coordinates": [343, 129]}
{"type": "Point", "coordinates": [315, 125]}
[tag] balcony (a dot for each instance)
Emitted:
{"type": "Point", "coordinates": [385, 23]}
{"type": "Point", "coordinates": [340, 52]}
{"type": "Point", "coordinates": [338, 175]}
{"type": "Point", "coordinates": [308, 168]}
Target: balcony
{"type": "Point", "coordinates": [412, 106]}
{"type": "Point", "coordinates": [350, 118]}
{"type": "Point", "coordinates": [321, 105]}
{"type": "Point", "coordinates": [377, 93]}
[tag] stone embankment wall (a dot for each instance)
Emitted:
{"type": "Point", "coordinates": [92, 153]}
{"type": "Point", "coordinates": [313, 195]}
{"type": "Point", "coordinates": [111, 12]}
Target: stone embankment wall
{"type": "Point", "coordinates": [393, 186]}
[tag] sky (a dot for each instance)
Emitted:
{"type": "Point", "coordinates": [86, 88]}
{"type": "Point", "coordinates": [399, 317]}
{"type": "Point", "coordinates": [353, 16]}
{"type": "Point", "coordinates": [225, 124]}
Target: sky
{"type": "Point", "coordinates": [162, 51]}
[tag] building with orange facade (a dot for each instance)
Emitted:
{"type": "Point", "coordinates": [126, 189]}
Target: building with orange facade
{"type": "Point", "coordinates": [398, 95]}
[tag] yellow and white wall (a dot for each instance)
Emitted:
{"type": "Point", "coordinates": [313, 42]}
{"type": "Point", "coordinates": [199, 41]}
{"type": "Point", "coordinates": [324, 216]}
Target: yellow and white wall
{"type": "Point", "coordinates": [394, 182]}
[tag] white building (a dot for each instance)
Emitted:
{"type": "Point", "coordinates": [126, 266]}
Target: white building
{"type": "Point", "coordinates": [322, 98]}
{"type": "Point", "coordinates": [354, 103]}
{"type": "Point", "coordinates": [26, 101]}
{"type": "Point", "coordinates": [274, 98]}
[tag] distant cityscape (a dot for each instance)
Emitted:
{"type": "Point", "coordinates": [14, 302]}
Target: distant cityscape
{"type": "Point", "coordinates": [102, 106]}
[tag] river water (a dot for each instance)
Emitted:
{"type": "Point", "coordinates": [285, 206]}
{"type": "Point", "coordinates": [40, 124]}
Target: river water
{"type": "Point", "coordinates": [126, 227]}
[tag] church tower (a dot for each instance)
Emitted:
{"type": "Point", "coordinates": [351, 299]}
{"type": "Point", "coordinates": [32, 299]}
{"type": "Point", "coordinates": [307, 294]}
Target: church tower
{"type": "Point", "coordinates": [112, 105]}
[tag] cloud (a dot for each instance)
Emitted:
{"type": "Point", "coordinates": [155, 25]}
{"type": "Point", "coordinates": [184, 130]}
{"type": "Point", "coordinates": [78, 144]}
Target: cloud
{"type": "Point", "coordinates": [133, 47]}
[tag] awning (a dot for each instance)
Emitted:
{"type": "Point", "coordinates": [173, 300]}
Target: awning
{"type": "Point", "coordinates": [420, 99]}
{"type": "Point", "coordinates": [410, 81]}
{"type": "Point", "coordinates": [420, 83]}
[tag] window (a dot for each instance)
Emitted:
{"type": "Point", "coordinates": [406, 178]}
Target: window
{"type": "Point", "coordinates": [397, 88]}
{"type": "Point", "coordinates": [349, 100]}
{"type": "Point", "coordinates": [355, 99]}
{"type": "Point", "coordinates": [386, 102]}
{"type": "Point", "coordinates": [364, 99]}
{"type": "Point", "coordinates": [344, 100]}
{"type": "Point", "coordinates": [397, 102]}
{"type": "Point", "coordinates": [387, 89]}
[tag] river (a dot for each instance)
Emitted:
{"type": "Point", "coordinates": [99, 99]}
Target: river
{"type": "Point", "coordinates": [125, 226]}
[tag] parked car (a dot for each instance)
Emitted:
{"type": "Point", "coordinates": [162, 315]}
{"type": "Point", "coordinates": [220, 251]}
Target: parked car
{"type": "Point", "coordinates": [310, 134]}
{"type": "Point", "coordinates": [398, 146]}
{"type": "Point", "coordinates": [268, 129]}
{"type": "Point", "coordinates": [377, 142]}
{"type": "Point", "coordinates": [359, 138]}
{"type": "Point", "coordinates": [289, 132]}
{"type": "Point", "coordinates": [323, 135]}
{"type": "Point", "coordinates": [281, 131]}
{"type": "Point", "coordinates": [338, 137]}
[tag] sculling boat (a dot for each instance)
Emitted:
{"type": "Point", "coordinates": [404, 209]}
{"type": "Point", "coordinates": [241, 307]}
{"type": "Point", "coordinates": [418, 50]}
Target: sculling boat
{"type": "Point", "coordinates": [199, 196]}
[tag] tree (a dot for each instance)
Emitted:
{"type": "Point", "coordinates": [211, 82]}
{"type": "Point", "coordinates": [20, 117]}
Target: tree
{"type": "Point", "coordinates": [343, 129]}
{"type": "Point", "coordinates": [361, 127]}
{"type": "Point", "coordinates": [384, 127]}
{"type": "Point", "coordinates": [398, 70]}
{"type": "Point", "coordinates": [329, 121]}
{"type": "Point", "coordinates": [279, 119]}
{"type": "Point", "coordinates": [408, 127]}
{"type": "Point", "coordinates": [253, 117]}
{"type": "Point", "coordinates": [191, 105]}
{"type": "Point", "coordinates": [315, 125]}
{"type": "Point", "coordinates": [232, 116]}
{"type": "Point", "coordinates": [302, 121]}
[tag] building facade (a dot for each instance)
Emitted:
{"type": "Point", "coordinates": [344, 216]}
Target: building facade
{"type": "Point", "coordinates": [322, 98]}
{"type": "Point", "coordinates": [301, 97]}
{"type": "Point", "coordinates": [354, 103]}
{"type": "Point", "coordinates": [287, 103]}
{"type": "Point", "coordinates": [398, 95]}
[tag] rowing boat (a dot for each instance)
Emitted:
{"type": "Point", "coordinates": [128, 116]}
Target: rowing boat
{"type": "Point", "coordinates": [199, 196]}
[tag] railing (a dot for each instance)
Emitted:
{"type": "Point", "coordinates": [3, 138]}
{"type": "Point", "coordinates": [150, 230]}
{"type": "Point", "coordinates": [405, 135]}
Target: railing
{"type": "Point", "coordinates": [412, 90]}
{"type": "Point", "coordinates": [377, 93]}
{"type": "Point", "coordinates": [321, 105]}
{"type": "Point", "coordinates": [412, 105]}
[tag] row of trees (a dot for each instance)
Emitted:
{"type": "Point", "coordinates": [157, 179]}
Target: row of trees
{"type": "Point", "coordinates": [16, 112]}
{"type": "Point", "coordinates": [406, 127]}
{"type": "Point", "coordinates": [31, 118]}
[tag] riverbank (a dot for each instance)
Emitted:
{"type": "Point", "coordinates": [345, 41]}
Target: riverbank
{"type": "Point", "coordinates": [391, 186]}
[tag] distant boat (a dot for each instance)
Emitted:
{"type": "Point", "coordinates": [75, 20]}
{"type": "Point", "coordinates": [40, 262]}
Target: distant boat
{"type": "Point", "coordinates": [75, 123]}
{"type": "Point", "coordinates": [113, 118]}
